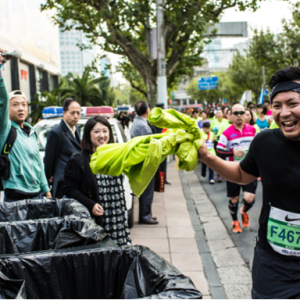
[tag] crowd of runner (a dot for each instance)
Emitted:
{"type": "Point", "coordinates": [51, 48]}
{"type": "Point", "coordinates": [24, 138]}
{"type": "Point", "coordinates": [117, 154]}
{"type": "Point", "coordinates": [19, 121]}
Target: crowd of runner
{"type": "Point", "coordinates": [228, 132]}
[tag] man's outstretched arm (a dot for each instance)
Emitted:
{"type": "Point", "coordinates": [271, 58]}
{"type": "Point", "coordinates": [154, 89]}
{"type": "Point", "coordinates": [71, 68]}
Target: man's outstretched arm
{"type": "Point", "coordinates": [231, 171]}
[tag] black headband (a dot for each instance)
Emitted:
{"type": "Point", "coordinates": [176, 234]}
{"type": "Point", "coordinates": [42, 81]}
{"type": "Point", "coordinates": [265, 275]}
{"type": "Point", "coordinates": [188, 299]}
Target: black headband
{"type": "Point", "coordinates": [285, 86]}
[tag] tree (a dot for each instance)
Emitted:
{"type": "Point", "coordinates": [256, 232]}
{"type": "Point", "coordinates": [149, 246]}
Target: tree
{"type": "Point", "coordinates": [291, 38]}
{"type": "Point", "coordinates": [226, 90]}
{"type": "Point", "coordinates": [85, 89]}
{"type": "Point", "coordinates": [44, 100]}
{"type": "Point", "coordinates": [128, 95]}
{"type": "Point", "coordinates": [269, 50]}
{"type": "Point", "coordinates": [108, 93]}
{"type": "Point", "coordinates": [246, 73]}
{"type": "Point", "coordinates": [120, 27]}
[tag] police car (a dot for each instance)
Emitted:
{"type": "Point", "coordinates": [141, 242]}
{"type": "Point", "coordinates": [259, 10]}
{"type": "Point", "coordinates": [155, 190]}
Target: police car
{"type": "Point", "coordinates": [52, 117]}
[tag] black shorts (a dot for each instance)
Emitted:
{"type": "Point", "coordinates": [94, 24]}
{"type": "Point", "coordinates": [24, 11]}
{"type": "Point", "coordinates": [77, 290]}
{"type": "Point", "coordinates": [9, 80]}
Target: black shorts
{"type": "Point", "coordinates": [274, 277]}
{"type": "Point", "coordinates": [233, 189]}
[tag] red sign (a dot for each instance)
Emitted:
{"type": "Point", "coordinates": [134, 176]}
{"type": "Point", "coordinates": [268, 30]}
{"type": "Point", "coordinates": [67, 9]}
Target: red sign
{"type": "Point", "coordinates": [24, 75]}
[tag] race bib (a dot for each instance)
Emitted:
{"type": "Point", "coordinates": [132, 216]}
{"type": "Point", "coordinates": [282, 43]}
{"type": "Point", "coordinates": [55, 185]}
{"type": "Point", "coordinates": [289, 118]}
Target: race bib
{"type": "Point", "coordinates": [245, 149]}
{"type": "Point", "coordinates": [210, 145]}
{"type": "Point", "coordinates": [284, 232]}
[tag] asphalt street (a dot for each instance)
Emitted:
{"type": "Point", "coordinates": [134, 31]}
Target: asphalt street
{"type": "Point", "coordinates": [244, 241]}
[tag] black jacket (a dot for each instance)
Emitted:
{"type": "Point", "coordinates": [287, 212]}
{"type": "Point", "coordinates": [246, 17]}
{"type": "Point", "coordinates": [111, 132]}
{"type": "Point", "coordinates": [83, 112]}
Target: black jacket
{"type": "Point", "coordinates": [80, 182]}
{"type": "Point", "coordinates": [61, 144]}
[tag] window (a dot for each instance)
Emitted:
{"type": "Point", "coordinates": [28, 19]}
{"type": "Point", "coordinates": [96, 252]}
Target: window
{"type": "Point", "coordinates": [67, 52]}
{"type": "Point", "coordinates": [73, 62]}
{"type": "Point", "coordinates": [62, 43]}
{"type": "Point", "coordinates": [62, 52]}
{"type": "Point", "coordinates": [68, 62]}
{"type": "Point", "coordinates": [67, 43]}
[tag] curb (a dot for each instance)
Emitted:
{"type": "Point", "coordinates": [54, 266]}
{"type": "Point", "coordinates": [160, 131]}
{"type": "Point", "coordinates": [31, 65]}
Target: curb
{"type": "Point", "coordinates": [214, 282]}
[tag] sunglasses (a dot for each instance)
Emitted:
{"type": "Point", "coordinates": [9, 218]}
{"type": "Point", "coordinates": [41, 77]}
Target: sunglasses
{"type": "Point", "coordinates": [236, 113]}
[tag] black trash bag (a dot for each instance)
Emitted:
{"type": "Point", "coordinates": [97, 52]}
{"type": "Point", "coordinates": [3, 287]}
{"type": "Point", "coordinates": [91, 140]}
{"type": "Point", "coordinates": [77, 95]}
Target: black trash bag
{"type": "Point", "coordinates": [169, 282]}
{"type": "Point", "coordinates": [41, 209]}
{"type": "Point", "coordinates": [11, 288]}
{"type": "Point", "coordinates": [102, 270]}
{"type": "Point", "coordinates": [44, 234]}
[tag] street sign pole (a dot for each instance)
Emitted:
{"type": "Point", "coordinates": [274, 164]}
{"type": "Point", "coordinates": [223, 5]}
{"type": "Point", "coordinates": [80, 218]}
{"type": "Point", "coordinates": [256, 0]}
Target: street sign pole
{"type": "Point", "coordinates": [161, 56]}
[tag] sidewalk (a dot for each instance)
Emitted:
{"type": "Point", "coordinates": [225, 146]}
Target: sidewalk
{"type": "Point", "coordinates": [233, 271]}
{"type": "Point", "coordinates": [174, 237]}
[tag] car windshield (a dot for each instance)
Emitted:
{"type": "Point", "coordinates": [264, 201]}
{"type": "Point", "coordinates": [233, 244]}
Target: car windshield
{"type": "Point", "coordinates": [43, 130]}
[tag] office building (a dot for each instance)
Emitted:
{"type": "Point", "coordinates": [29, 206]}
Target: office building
{"type": "Point", "coordinates": [31, 33]}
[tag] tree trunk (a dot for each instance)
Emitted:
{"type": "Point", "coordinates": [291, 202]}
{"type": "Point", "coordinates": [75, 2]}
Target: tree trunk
{"type": "Point", "coordinates": [151, 86]}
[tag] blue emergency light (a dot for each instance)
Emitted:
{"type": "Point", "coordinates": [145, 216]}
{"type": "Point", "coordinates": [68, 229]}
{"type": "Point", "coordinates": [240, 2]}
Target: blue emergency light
{"type": "Point", "coordinates": [52, 112]}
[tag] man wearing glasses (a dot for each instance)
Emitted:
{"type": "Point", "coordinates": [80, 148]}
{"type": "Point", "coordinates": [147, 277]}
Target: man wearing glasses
{"type": "Point", "coordinates": [233, 145]}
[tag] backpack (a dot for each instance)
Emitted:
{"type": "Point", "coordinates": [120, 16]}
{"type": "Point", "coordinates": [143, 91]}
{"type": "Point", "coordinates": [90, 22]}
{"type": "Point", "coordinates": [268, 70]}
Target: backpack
{"type": "Point", "coordinates": [4, 159]}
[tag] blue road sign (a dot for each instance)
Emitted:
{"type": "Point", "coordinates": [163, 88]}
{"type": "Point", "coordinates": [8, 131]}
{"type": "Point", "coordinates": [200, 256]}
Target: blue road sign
{"type": "Point", "coordinates": [208, 83]}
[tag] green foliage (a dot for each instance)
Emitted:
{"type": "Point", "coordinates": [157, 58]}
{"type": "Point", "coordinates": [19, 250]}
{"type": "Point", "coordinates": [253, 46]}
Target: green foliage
{"type": "Point", "coordinates": [88, 91]}
{"type": "Point", "coordinates": [128, 95]}
{"type": "Point", "coordinates": [85, 89]}
{"type": "Point", "coordinates": [45, 99]}
{"type": "Point", "coordinates": [226, 90]}
{"type": "Point", "coordinates": [269, 50]}
{"type": "Point", "coordinates": [246, 74]}
{"type": "Point", "coordinates": [120, 27]}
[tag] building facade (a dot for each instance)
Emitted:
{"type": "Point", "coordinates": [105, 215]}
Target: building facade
{"type": "Point", "coordinates": [73, 59]}
{"type": "Point", "coordinates": [34, 40]}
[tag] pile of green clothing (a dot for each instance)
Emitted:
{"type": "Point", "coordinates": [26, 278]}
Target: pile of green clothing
{"type": "Point", "coordinates": [139, 158]}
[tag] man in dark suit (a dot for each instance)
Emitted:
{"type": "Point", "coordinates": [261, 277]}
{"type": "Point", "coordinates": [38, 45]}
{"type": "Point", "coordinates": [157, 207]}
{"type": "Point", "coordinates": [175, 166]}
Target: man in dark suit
{"type": "Point", "coordinates": [62, 141]}
{"type": "Point", "coordinates": [141, 126]}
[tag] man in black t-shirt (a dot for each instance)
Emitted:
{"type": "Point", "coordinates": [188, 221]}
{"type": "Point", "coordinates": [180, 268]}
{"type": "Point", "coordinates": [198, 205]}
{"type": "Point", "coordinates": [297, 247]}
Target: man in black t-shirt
{"type": "Point", "coordinates": [274, 155]}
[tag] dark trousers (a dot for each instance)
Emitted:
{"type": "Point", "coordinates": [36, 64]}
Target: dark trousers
{"type": "Point", "coordinates": [163, 168]}
{"type": "Point", "coordinates": [40, 196]}
{"type": "Point", "coordinates": [145, 202]}
{"type": "Point", "coordinates": [274, 277]}
{"type": "Point", "coordinates": [203, 171]}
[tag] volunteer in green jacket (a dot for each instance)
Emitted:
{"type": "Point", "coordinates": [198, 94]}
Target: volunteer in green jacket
{"type": "Point", "coordinates": [219, 124]}
{"type": "Point", "coordinates": [208, 138]}
{"type": "Point", "coordinates": [27, 178]}
{"type": "Point", "coordinates": [273, 125]}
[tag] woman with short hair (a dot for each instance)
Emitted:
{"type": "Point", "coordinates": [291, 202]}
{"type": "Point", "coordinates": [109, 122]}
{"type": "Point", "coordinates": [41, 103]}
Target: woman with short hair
{"type": "Point", "coordinates": [262, 121]}
{"type": "Point", "coordinates": [103, 195]}
{"type": "Point", "coordinates": [250, 119]}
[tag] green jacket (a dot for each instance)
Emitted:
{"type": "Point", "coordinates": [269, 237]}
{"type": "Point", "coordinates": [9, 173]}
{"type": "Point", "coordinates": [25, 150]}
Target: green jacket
{"type": "Point", "coordinates": [27, 171]}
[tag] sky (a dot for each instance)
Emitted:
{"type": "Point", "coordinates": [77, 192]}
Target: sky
{"type": "Point", "coordinates": [270, 14]}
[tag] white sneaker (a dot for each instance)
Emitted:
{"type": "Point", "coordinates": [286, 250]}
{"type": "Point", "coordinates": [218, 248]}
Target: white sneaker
{"type": "Point", "coordinates": [212, 181]}
{"type": "Point", "coordinates": [202, 178]}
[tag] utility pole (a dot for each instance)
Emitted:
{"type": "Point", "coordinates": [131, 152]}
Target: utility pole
{"type": "Point", "coordinates": [161, 55]}
{"type": "Point", "coordinates": [148, 32]}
